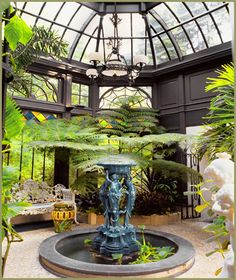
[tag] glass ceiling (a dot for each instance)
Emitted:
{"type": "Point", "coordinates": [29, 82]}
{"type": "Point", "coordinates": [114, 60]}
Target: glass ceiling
{"type": "Point", "coordinates": [163, 31]}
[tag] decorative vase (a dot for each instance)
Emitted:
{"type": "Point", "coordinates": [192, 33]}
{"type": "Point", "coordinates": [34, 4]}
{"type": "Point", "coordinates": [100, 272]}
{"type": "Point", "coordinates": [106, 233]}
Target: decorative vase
{"type": "Point", "coordinates": [63, 216]}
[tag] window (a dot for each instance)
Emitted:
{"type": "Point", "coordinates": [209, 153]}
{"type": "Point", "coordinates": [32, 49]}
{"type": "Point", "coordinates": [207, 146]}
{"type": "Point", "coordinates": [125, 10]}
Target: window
{"type": "Point", "coordinates": [80, 94]}
{"type": "Point", "coordinates": [35, 86]}
{"type": "Point", "coordinates": [111, 97]}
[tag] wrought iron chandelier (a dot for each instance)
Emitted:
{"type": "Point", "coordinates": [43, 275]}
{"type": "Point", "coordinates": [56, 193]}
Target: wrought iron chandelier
{"type": "Point", "coordinates": [115, 64]}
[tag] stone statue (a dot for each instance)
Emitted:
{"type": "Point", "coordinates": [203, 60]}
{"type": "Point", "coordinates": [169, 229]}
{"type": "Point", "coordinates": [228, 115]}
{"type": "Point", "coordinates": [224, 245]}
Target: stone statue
{"type": "Point", "coordinates": [221, 171]}
{"type": "Point", "coordinates": [117, 195]}
{"type": "Point", "coordinates": [103, 194]}
{"type": "Point", "coordinates": [130, 198]}
{"type": "Point", "coordinates": [114, 196]}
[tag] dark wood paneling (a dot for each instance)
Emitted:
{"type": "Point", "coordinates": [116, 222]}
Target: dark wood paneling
{"type": "Point", "coordinates": [194, 118]}
{"type": "Point", "coordinates": [168, 93]}
{"type": "Point", "coordinates": [38, 105]}
{"type": "Point", "coordinates": [190, 102]}
{"type": "Point", "coordinates": [171, 122]}
{"type": "Point", "coordinates": [195, 86]}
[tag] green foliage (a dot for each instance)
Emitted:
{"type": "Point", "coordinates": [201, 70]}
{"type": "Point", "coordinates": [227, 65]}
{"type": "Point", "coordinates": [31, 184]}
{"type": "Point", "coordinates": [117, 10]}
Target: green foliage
{"type": "Point", "coordinates": [219, 127]}
{"type": "Point", "coordinates": [117, 257]}
{"type": "Point", "coordinates": [218, 230]}
{"type": "Point", "coordinates": [9, 210]}
{"type": "Point", "coordinates": [13, 120]}
{"type": "Point", "coordinates": [200, 191]}
{"type": "Point", "coordinates": [157, 192]}
{"type": "Point", "coordinates": [17, 31]}
{"type": "Point", "coordinates": [225, 79]}
{"type": "Point", "coordinates": [219, 233]}
{"type": "Point", "coordinates": [148, 253]}
{"type": "Point", "coordinates": [75, 134]}
{"type": "Point", "coordinates": [45, 42]}
{"type": "Point", "coordinates": [153, 174]}
{"type": "Point", "coordinates": [62, 226]}
{"type": "Point", "coordinates": [88, 197]}
{"type": "Point", "coordinates": [87, 241]}
{"type": "Point", "coordinates": [80, 136]}
{"type": "Point", "coordinates": [129, 121]}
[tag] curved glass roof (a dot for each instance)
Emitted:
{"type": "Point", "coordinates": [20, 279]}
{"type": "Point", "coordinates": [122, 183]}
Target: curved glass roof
{"type": "Point", "coordinates": [163, 31]}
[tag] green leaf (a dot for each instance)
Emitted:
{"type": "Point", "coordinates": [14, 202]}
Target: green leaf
{"type": "Point", "coordinates": [13, 32]}
{"type": "Point", "coordinates": [217, 250]}
{"type": "Point", "coordinates": [10, 175]}
{"type": "Point", "coordinates": [211, 252]}
{"type": "Point", "coordinates": [116, 256]}
{"type": "Point", "coordinates": [14, 209]}
{"type": "Point", "coordinates": [142, 227]}
{"type": "Point", "coordinates": [87, 242]}
{"type": "Point", "coordinates": [27, 33]}
{"type": "Point", "coordinates": [162, 254]}
{"type": "Point", "coordinates": [218, 271]}
{"type": "Point", "coordinates": [201, 207]}
{"type": "Point", "coordinates": [17, 31]}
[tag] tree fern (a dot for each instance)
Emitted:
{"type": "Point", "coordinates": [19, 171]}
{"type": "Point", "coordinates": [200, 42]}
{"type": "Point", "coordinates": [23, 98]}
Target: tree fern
{"type": "Point", "coordinates": [128, 120]}
{"type": "Point", "coordinates": [157, 139]}
{"type": "Point", "coordinates": [61, 130]}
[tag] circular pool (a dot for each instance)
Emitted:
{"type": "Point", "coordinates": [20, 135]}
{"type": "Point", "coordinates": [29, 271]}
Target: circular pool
{"type": "Point", "coordinates": [65, 255]}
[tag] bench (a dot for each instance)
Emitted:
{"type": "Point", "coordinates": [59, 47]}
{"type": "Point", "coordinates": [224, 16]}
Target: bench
{"type": "Point", "coordinates": [42, 197]}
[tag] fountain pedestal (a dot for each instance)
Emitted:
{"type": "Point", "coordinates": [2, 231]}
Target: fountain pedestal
{"type": "Point", "coordinates": [117, 195]}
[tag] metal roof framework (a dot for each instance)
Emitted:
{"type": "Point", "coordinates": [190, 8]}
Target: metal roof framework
{"type": "Point", "coordinates": [164, 31]}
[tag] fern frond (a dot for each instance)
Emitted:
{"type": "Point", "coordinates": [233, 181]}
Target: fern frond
{"type": "Point", "coordinates": [13, 119]}
{"type": "Point", "coordinates": [66, 144]}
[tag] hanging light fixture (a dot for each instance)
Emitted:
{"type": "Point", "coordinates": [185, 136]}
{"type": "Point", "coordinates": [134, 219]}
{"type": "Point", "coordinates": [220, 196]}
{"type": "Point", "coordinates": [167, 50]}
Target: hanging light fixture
{"type": "Point", "coordinates": [115, 64]}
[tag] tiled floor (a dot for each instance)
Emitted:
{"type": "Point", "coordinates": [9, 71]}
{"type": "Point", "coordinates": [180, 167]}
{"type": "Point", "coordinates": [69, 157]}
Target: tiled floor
{"type": "Point", "coordinates": [23, 258]}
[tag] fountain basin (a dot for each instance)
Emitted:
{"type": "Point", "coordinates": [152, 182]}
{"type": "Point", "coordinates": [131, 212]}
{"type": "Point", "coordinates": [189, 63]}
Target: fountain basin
{"type": "Point", "coordinates": [65, 255]}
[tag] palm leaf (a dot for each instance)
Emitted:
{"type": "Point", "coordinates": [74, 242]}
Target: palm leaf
{"type": "Point", "coordinates": [225, 78]}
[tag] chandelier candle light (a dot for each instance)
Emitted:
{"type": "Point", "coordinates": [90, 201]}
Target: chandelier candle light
{"type": "Point", "coordinates": [115, 64]}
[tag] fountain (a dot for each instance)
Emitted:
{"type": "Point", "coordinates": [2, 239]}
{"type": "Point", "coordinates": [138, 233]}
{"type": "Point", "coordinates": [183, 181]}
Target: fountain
{"type": "Point", "coordinates": [113, 237]}
{"type": "Point", "coordinates": [65, 254]}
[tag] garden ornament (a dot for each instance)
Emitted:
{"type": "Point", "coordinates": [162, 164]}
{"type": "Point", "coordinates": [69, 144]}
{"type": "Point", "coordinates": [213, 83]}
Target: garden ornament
{"type": "Point", "coordinates": [221, 171]}
{"type": "Point", "coordinates": [116, 236]}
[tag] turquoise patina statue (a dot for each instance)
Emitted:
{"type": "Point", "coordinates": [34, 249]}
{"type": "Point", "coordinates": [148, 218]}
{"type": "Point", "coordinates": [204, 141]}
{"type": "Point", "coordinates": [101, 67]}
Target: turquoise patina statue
{"type": "Point", "coordinates": [117, 195]}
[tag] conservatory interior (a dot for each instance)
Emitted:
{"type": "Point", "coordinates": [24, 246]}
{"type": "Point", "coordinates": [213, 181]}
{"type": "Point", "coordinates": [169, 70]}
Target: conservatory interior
{"type": "Point", "coordinates": [117, 147]}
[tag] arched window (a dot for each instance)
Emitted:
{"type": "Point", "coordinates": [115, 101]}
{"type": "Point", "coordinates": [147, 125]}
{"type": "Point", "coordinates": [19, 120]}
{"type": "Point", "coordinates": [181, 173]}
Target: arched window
{"type": "Point", "coordinates": [113, 97]}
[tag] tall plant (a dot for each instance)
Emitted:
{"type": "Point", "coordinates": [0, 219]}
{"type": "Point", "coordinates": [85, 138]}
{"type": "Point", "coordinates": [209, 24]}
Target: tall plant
{"type": "Point", "coordinates": [137, 133]}
{"type": "Point", "coordinates": [129, 121]}
{"type": "Point", "coordinates": [10, 208]}
{"type": "Point", "coordinates": [219, 127]}
{"type": "Point", "coordinates": [79, 135]}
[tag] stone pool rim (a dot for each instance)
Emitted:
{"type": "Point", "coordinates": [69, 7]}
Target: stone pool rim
{"type": "Point", "coordinates": [51, 259]}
